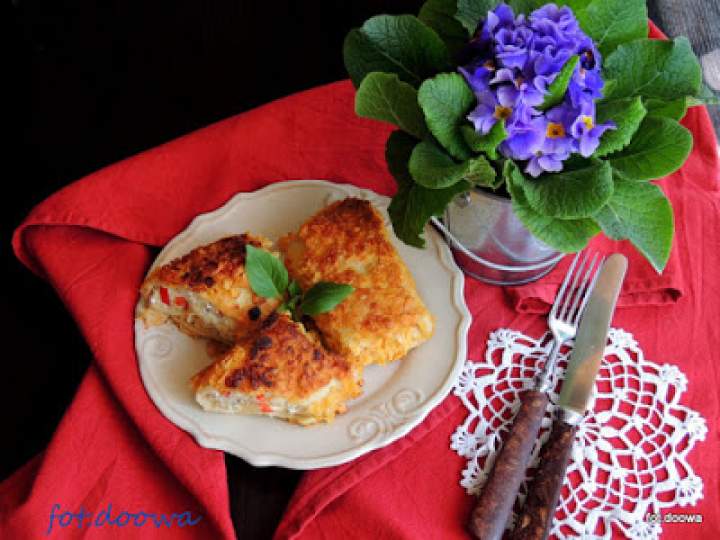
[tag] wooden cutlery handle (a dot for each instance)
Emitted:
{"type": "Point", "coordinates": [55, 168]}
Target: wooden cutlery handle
{"type": "Point", "coordinates": [537, 514]}
{"type": "Point", "coordinates": [493, 507]}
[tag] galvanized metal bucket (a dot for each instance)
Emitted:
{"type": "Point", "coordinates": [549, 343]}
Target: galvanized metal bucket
{"type": "Point", "coordinates": [490, 243]}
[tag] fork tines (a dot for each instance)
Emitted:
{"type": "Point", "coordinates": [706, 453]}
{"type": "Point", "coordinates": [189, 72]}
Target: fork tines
{"type": "Point", "coordinates": [570, 302]}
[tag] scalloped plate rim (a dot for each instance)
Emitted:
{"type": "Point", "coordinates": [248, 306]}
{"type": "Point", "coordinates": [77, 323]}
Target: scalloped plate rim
{"type": "Point", "coordinates": [263, 459]}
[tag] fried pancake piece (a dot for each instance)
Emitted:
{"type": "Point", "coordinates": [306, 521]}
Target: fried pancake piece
{"type": "Point", "coordinates": [206, 293]}
{"type": "Point", "coordinates": [281, 370]}
{"type": "Point", "coordinates": [347, 242]}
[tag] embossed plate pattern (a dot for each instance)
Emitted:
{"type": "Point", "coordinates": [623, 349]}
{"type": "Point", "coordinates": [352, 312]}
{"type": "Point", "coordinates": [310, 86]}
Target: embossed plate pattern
{"type": "Point", "coordinates": [396, 397]}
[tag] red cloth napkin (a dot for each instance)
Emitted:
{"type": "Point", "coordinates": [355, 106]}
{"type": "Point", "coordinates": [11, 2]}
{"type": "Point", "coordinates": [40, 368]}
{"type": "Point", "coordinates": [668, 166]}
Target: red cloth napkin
{"type": "Point", "coordinates": [93, 242]}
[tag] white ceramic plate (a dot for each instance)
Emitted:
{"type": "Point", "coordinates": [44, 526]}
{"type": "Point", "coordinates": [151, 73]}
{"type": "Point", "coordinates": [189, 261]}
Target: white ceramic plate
{"type": "Point", "coordinates": [396, 397]}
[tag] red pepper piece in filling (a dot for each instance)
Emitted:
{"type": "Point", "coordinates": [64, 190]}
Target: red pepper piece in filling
{"type": "Point", "coordinates": [182, 302]}
{"type": "Point", "coordinates": [164, 296]}
{"type": "Point", "coordinates": [264, 407]}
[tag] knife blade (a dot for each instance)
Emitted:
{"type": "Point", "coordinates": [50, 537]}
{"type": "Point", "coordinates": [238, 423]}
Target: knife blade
{"type": "Point", "coordinates": [537, 513]}
{"type": "Point", "coordinates": [591, 338]}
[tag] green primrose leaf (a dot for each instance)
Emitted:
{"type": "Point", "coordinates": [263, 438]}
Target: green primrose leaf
{"type": "Point", "coordinates": [659, 147]}
{"type": "Point", "coordinates": [266, 273]}
{"type": "Point", "coordinates": [434, 169]}
{"type": "Point", "coordinates": [639, 212]}
{"type": "Point", "coordinates": [446, 99]}
{"type": "Point", "coordinates": [569, 194]}
{"type": "Point", "coordinates": [627, 115]}
{"type": "Point", "coordinates": [383, 96]}
{"type": "Point", "coordinates": [525, 6]}
{"type": "Point", "coordinates": [398, 149]}
{"type": "Point", "coordinates": [653, 68]}
{"type": "Point", "coordinates": [487, 143]}
{"type": "Point", "coordinates": [470, 12]}
{"type": "Point", "coordinates": [414, 205]}
{"type": "Point", "coordinates": [399, 44]}
{"type": "Point", "coordinates": [674, 109]}
{"type": "Point", "coordinates": [480, 172]}
{"type": "Point", "coordinates": [704, 97]}
{"type": "Point", "coordinates": [324, 296]}
{"type": "Point", "coordinates": [440, 16]}
{"type": "Point", "coordinates": [612, 22]}
{"type": "Point", "coordinates": [568, 235]}
{"type": "Point", "coordinates": [609, 87]}
{"type": "Point", "coordinates": [575, 5]}
{"type": "Point", "coordinates": [557, 89]}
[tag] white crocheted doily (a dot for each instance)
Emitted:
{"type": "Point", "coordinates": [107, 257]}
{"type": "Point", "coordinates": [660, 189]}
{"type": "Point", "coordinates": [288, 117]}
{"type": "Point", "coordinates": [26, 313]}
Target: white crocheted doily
{"type": "Point", "coordinates": [629, 456]}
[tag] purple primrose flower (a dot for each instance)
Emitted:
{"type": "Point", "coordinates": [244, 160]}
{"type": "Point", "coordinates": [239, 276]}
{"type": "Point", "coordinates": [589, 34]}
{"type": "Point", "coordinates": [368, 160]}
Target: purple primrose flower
{"type": "Point", "coordinates": [510, 64]}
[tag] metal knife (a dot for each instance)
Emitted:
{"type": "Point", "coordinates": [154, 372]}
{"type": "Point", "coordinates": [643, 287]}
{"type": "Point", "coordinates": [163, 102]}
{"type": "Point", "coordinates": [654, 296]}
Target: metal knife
{"type": "Point", "coordinates": [537, 514]}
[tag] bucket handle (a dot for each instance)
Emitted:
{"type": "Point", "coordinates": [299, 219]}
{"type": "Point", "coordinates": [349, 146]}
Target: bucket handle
{"type": "Point", "coordinates": [455, 243]}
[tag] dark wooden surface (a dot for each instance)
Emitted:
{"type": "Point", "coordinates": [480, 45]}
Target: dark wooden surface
{"type": "Point", "coordinates": [93, 82]}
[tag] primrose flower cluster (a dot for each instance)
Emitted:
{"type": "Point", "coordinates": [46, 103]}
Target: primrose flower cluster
{"type": "Point", "coordinates": [511, 62]}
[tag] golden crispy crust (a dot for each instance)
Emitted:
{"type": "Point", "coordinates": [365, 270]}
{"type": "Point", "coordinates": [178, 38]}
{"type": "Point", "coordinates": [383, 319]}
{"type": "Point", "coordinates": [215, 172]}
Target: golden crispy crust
{"type": "Point", "coordinates": [283, 360]}
{"type": "Point", "coordinates": [204, 266]}
{"type": "Point", "coordinates": [214, 273]}
{"type": "Point", "coordinates": [347, 242]}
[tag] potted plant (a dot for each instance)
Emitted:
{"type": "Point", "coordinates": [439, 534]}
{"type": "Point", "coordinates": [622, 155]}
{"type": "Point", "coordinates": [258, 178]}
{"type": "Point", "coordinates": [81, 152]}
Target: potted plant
{"type": "Point", "coordinates": [561, 113]}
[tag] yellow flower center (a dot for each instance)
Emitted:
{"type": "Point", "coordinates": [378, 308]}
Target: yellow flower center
{"type": "Point", "coordinates": [501, 113]}
{"type": "Point", "coordinates": [490, 65]}
{"type": "Point", "coordinates": [587, 120]}
{"type": "Point", "coordinates": [555, 130]}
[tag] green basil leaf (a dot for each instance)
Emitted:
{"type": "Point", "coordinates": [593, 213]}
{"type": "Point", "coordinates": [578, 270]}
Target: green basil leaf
{"type": "Point", "coordinates": [446, 99]}
{"type": "Point", "coordinates": [440, 16]}
{"type": "Point", "coordinates": [383, 96]}
{"type": "Point", "coordinates": [266, 273]}
{"type": "Point", "coordinates": [612, 22]}
{"type": "Point", "coordinates": [487, 143]}
{"type": "Point", "coordinates": [470, 12]}
{"type": "Point", "coordinates": [569, 194]}
{"type": "Point", "coordinates": [324, 296]}
{"type": "Point", "coordinates": [399, 44]}
{"type": "Point", "coordinates": [660, 147]}
{"type": "Point", "coordinates": [653, 68]}
{"type": "Point", "coordinates": [294, 289]}
{"type": "Point", "coordinates": [434, 169]}
{"type": "Point", "coordinates": [674, 109]}
{"type": "Point", "coordinates": [627, 115]}
{"type": "Point", "coordinates": [557, 88]}
{"type": "Point", "coordinates": [639, 212]}
{"type": "Point", "coordinates": [568, 235]}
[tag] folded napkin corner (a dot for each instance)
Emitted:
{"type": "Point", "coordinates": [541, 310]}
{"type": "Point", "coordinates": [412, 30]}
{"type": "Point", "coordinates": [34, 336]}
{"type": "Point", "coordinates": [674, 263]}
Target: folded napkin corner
{"type": "Point", "coordinates": [643, 286]}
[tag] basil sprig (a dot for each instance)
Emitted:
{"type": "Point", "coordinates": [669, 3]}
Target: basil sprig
{"type": "Point", "coordinates": [269, 278]}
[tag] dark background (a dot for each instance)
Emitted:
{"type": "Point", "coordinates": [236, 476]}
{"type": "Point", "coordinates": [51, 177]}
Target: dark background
{"type": "Point", "coordinates": [93, 82]}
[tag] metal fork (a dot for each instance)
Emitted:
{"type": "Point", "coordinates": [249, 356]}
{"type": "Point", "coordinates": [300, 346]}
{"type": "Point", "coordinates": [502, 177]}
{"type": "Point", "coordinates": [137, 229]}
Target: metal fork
{"type": "Point", "coordinates": [494, 506]}
{"type": "Point", "coordinates": [566, 311]}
